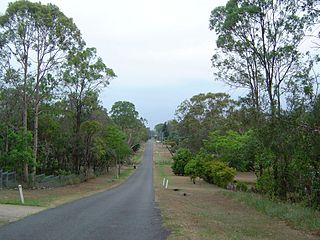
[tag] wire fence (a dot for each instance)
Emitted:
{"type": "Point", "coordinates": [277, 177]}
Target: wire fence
{"type": "Point", "coordinates": [9, 180]}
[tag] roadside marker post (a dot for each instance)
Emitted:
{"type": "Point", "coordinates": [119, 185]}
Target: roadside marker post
{"type": "Point", "coordinates": [21, 194]}
{"type": "Point", "coordinates": [163, 182]}
{"type": "Point", "coordinates": [167, 183]}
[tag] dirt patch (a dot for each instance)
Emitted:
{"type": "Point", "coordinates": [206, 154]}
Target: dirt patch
{"type": "Point", "coordinates": [206, 213]}
{"type": "Point", "coordinates": [248, 177]}
{"type": "Point", "coordinates": [10, 213]}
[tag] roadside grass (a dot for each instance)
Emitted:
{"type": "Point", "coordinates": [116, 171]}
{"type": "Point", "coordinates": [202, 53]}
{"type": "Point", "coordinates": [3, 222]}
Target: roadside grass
{"type": "Point", "coordinates": [18, 202]}
{"type": "Point", "coordinates": [52, 197]}
{"type": "Point", "coordinates": [297, 216]}
{"type": "Point", "coordinates": [203, 211]}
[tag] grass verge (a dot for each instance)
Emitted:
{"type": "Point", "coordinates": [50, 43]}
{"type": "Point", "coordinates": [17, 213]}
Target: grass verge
{"type": "Point", "coordinates": [203, 211]}
{"type": "Point", "coordinates": [52, 197]}
{"type": "Point", "coordinates": [18, 202]}
{"type": "Point", "coordinates": [297, 216]}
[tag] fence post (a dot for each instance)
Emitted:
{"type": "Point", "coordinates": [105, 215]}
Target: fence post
{"type": "Point", "coordinates": [0, 178]}
{"type": "Point", "coordinates": [21, 194]}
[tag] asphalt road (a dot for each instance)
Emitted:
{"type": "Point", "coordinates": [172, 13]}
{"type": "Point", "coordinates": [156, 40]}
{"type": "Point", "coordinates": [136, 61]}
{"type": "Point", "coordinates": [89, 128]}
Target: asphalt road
{"type": "Point", "coordinates": [125, 212]}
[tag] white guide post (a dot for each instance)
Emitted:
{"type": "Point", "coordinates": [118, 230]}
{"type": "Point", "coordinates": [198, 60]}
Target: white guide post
{"type": "Point", "coordinates": [21, 194]}
{"type": "Point", "coordinates": [167, 182]}
{"type": "Point", "coordinates": [163, 182]}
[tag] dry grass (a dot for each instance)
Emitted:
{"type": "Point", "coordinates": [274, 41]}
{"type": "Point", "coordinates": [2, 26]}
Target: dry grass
{"type": "Point", "coordinates": [202, 211]}
{"type": "Point", "coordinates": [51, 197]}
{"type": "Point", "coordinates": [247, 177]}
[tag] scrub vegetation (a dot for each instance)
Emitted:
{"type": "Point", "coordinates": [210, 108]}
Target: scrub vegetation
{"type": "Point", "coordinates": [272, 129]}
{"type": "Point", "coordinates": [204, 211]}
{"type": "Point", "coordinates": [51, 119]}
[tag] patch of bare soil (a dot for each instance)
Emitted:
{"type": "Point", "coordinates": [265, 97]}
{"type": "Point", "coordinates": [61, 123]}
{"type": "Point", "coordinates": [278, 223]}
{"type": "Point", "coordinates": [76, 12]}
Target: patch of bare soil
{"type": "Point", "coordinates": [10, 213]}
{"type": "Point", "coordinates": [248, 177]}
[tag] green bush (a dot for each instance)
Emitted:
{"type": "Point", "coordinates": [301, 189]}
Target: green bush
{"type": "Point", "coordinates": [219, 173]}
{"type": "Point", "coordinates": [266, 184]}
{"type": "Point", "coordinates": [191, 170]}
{"type": "Point", "coordinates": [180, 160]}
{"type": "Point", "coordinates": [235, 149]}
{"type": "Point", "coordinates": [196, 167]}
{"type": "Point", "coordinates": [241, 186]}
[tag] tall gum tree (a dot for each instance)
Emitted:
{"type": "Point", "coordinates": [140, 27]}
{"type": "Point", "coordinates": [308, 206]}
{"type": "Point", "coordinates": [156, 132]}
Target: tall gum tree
{"type": "Point", "coordinates": [84, 75]}
{"type": "Point", "coordinates": [201, 114]}
{"type": "Point", "coordinates": [263, 38]}
{"type": "Point", "coordinates": [124, 114]}
{"type": "Point", "coordinates": [38, 37]}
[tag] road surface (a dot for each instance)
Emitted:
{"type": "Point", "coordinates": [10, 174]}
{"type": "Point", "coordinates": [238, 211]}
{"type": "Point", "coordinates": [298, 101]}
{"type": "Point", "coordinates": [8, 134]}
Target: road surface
{"type": "Point", "coordinates": [125, 212]}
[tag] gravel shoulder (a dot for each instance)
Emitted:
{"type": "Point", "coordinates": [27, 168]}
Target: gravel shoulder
{"type": "Point", "coordinates": [11, 213]}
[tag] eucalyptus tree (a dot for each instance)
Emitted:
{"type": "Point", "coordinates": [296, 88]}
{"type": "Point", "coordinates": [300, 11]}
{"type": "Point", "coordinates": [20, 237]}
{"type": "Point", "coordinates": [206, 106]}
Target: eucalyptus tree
{"type": "Point", "coordinates": [89, 130]}
{"type": "Point", "coordinates": [84, 75]}
{"type": "Point", "coordinates": [124, 114]}
{"type": "Point", "coordinates": [201, 114]}
{"type": "Point", "coordinates": [116, 144]}
{"type": "Point", "coordinates": [38, 38]}
{"type": "Point", "coordinates": [260, 41]}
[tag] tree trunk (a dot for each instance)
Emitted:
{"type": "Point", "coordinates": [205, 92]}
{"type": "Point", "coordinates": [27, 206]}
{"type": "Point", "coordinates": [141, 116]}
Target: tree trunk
{"type": "Point", "coordinates": [75, 153]}
{"type": "Point", "coordinates": [35, 132]}
{"type": "Point", "coordinates": [119, 167]}
{"type": "Point", "coordinates": [25, 114]}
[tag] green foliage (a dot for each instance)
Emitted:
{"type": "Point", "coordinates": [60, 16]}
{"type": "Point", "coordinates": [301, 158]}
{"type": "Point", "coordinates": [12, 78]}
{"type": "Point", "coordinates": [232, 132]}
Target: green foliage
{"type": "Point", "coordinates": [266, 184]}
{"type": "Point", "coordinates": [218, 173]}
{"type": "Point", "coordinates": [20, 151]}
{"type": "Point", "coordinates": [200, 115]}
{"type": "Point", "coordinates": [116, 142]}
{"type": "Point", "coordinates": [232, 148]}
{"type": "Point", "coordinates": [241, 186]}
{"type": "Point", "coordinates": [191, 169]}
{"type": "Point", "coordinates": [203, 166]}
{"type": "Point", "coordinates": [282, 148]}
{"type": "Point", "coordinates": [195, 168]}
{"type": "Point", "coordinates": [180, 160]}
{"type": "Point", "coordinates": [124, 114]}
{"type": "Point", "coordinates": [51, 85]}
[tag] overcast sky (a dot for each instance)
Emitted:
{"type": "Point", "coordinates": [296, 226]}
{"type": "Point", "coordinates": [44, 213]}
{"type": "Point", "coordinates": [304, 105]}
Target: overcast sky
{"type": "Point", "coordinates": [159, 49]}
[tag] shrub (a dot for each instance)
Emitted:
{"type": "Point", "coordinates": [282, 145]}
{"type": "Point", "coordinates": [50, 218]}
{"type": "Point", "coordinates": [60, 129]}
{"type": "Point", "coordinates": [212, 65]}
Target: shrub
{"type": "Point", "coordinates": [197, 165]}
{"type": "Point", "coordinates": [180, 160]}
{"type": "Point", "coordinates": [191, 170]}
{"type": "Point", "coordinates": [241, 186]}
{"type": "Point", "coordinates": [266, 184]}
{"type": "Point", "coordinates": [235, 149]}
{"type": "Point", "coordinates": [219, 173]}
